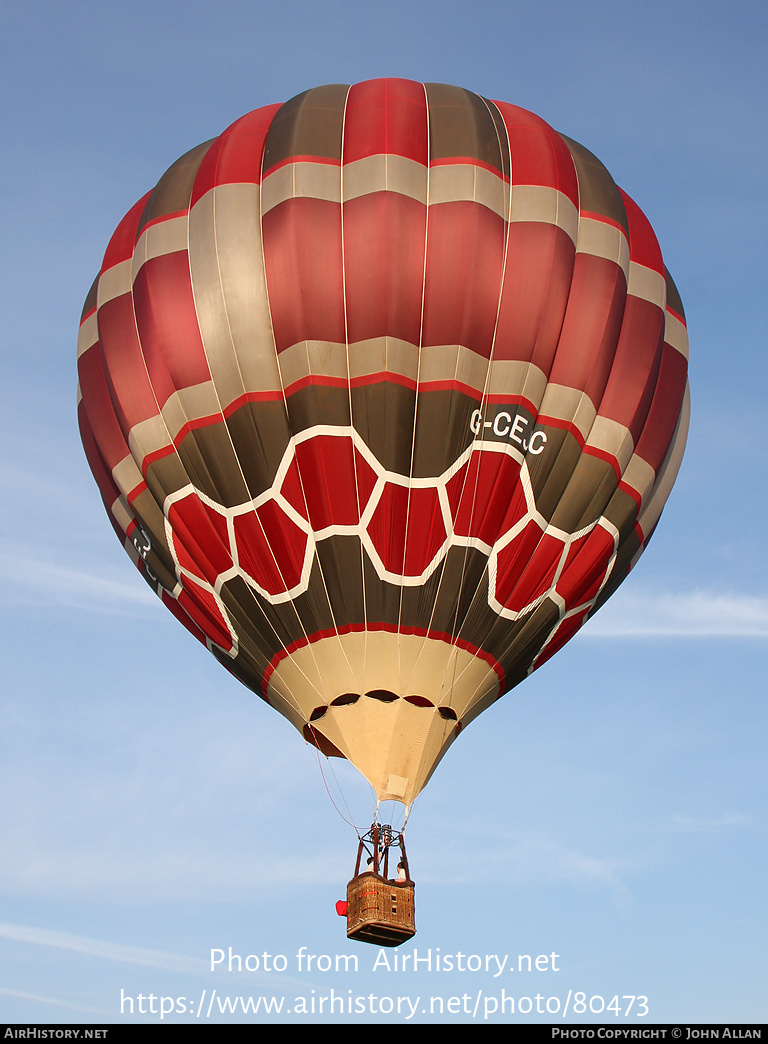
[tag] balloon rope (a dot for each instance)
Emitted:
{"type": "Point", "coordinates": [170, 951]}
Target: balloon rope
{"type": "Point", "coordinates": [328, 792]}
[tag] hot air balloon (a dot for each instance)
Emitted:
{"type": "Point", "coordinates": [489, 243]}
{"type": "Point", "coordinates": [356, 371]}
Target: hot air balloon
{"type": "Point", "coordinates": [384, 389]}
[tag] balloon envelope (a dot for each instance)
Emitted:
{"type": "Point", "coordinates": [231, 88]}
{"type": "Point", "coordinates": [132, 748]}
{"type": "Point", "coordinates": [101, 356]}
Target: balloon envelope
{"type": "Point", "coordinates": [384, 389]}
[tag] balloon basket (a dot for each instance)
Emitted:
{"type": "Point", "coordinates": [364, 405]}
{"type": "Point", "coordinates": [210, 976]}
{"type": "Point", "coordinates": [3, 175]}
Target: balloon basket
{"type": "Point", "coordinates": [379, 911]}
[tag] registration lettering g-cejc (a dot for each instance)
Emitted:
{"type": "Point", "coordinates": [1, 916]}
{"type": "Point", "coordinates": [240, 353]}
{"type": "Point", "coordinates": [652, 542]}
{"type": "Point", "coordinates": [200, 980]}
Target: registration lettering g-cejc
{"type": "Point", "coordinates": [514, 428]}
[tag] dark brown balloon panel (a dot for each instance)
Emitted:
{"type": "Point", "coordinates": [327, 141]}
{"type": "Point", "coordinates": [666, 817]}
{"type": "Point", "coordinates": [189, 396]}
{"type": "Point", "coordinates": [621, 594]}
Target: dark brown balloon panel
{"type": "Point", "coordinates": [384, 389]}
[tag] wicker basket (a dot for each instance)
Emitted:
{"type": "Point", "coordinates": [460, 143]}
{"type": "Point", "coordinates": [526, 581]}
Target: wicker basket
{"type": "Point", "coordinates": [380, 911]}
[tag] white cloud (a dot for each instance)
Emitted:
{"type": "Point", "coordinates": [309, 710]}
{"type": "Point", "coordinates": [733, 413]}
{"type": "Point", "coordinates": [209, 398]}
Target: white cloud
{"type": "Point", "coordinates": [694, 825]}
{"type": "Point", "coordinates": [531, 861]}
{"type": "Point", "coordinates": [122, 954]}
{"type": "Point", "coordinates": [56, 1002]}
{"type": "Point", "coordinates": [697, 613]}
{"type": "Point", "coordinates": [194, 873]}
{"type": "Point", "coordinates": [105, 950]}
{"type": "Point", "coordinates": [29, 579]}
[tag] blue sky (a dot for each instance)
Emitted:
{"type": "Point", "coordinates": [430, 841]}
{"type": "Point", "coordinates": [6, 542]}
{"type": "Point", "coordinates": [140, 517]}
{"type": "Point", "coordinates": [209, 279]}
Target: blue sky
{"type": "Point", "coordinates": [612, 810]}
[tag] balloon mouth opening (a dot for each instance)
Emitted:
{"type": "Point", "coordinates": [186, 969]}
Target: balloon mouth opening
{"type": "Point", "coordinates": [392, 705]}
{"type": "Point", "coordinates": [347, 699]}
